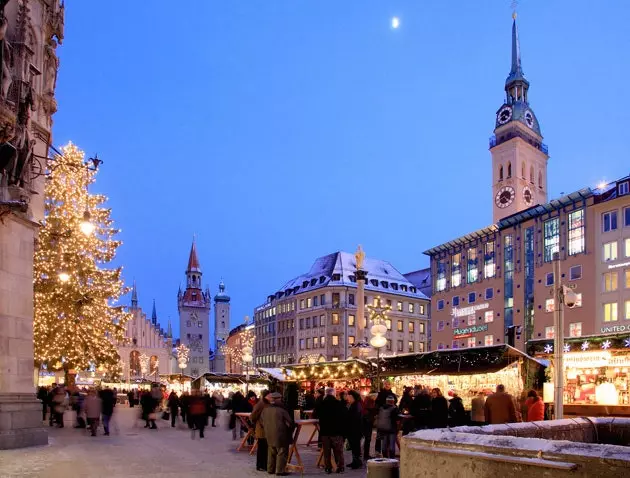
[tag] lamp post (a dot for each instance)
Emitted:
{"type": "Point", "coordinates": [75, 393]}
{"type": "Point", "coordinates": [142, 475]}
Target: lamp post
{"type": "Point", "coordinates": [378, 315]}
{"type": "Point", "coordinates": [562, 295]}
{"type": "Point", "coordinates": [247, 359]}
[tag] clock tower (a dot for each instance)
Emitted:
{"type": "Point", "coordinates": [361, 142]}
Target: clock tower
{"type": "Point", "coordinates": [519, 157]}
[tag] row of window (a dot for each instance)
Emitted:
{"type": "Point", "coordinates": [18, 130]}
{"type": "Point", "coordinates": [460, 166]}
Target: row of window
{"type": "Point", "coordinates": [284, 325]}
{"type": "Point", "coordinates": [611, 311]}
{"type": "Point", "coordinates": [531, 173]}
{"type": "Point", "coordinates": [284, 342]}
{"type": "Point", "coordinates": [610, 280]}
{"type": "Point", "coordinates": [197, 359]}
{"type": "Point", "coordinates": [471, 342]}
{"type": "Point", "coordinates": [316, 301]}
{"type": "Point", "coordinates": [551, 245]}
{"type": "Point", "coordinates": [267, 360]}
{"type": "Point", "coordinates": [575, 330]}
{"type": "Point", "coordinates": [610, 220]}
{"type": "Point", "coordinates": [610, 252]}
{"type": "Point", "coordinates": [190, 324]}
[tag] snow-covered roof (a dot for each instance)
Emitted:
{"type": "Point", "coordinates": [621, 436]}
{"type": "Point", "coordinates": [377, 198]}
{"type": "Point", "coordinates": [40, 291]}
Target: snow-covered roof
{"type": "Point", "coordinates": [339, 269]}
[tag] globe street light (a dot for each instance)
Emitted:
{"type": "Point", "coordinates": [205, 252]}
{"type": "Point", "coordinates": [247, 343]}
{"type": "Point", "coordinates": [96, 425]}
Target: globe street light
{"type": "Point", "coordinates": [247, 359]}
{"type": "Point", "coordinates": [378, 342]}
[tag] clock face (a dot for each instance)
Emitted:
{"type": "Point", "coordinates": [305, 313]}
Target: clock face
{"type": "Point", "coordinates": [504, 197]}
{"type": "Point", "coordinates": [504, 115]}
{"type": "Point", "coordinates": [529, 119]}
{"type": "Point", "coordinates": [528, 196]}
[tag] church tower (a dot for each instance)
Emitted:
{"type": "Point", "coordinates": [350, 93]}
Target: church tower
{"type": "Point", "coordinates": [519, 157]}
{"type": "Point", "coordinates": [194, 316]}
{"type": "Point", "coordinates": [221, 326]}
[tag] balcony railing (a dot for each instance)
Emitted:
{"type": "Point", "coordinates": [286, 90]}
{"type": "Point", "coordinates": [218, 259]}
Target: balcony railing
{"type": "Point", "coordinates": [492, 142]}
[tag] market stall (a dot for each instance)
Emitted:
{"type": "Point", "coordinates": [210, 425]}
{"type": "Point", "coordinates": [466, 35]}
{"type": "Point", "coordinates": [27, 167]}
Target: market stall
{"type": "Point", "coordinates": [465, 371]}
{"type": "Point", "coordinates": [351, 374]}
{"type": "Point", "coordinates": [596, 373]}
{"type": "Point", "coordinates": [226, 383]}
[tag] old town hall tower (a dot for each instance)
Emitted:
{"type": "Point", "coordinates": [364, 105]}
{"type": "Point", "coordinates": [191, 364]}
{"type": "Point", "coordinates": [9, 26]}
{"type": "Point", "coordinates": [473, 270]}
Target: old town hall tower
{"type": "Point", "coordinates": [194, 317]}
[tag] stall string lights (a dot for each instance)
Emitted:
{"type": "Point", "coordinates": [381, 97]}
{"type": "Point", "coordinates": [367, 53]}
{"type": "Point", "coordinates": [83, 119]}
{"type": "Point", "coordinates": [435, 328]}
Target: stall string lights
{"type": "Point", "coordinates": [327, 372]}
{"type": "Point", "coordinates": [584, 344]}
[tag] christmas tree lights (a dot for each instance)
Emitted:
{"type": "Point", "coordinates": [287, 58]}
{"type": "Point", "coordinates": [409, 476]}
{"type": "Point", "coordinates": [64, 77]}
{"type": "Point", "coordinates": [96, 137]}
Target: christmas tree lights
{"type": "Point", "coordinates": [76, 322]}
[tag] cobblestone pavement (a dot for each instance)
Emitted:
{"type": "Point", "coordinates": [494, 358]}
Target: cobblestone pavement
{"type": "Point", "coordinates": [134, 451]}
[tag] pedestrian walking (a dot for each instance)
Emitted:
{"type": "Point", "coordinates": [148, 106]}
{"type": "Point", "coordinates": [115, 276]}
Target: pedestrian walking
{"type": "Point", "coordinates": [211, 408]}
{"type": "Point", "coordinates": [42, 396]}
{"type": "Point", "coordinates": [278, 430]}
{"type": "Point", "coordinates": [255, 418]}
{"type": "Point", "coordinates": [108, 402]}
{"type": "Point", "coordinates": [183, 405]}
{"type": "Point", "coordinates": [332, 421]}
{"type": "Point", "coordinates": [148, 404]}
{"type": "Point", "coordinates": [499, 407]}
{"type": "Point", "coordinates": [197, 413]}
{"type": "Point", "coordinates": [354, 426]}
{"type": "Point", "coordinates": [92, 406]}
{"type": "Point", "coordinates": [60, 403]}
{"type": "Point", "coordinates": [173, 406]}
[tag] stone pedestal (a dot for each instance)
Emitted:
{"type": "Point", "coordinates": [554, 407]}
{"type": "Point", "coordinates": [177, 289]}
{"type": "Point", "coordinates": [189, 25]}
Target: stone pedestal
{"type": "Point", "coordinates": [21, 421]}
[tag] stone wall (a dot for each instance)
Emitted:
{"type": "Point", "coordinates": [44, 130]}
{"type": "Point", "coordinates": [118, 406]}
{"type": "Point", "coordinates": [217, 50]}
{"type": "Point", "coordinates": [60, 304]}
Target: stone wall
{"type": "Point", "coordinates": [584, 447]}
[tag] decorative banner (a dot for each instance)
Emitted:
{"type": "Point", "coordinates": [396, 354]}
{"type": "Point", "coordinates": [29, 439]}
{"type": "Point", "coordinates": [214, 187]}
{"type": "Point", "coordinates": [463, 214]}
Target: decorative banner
{"type": "Point", "coordinates": [595, 360]}
{"type": "Point", "coordinates": [470, 310]}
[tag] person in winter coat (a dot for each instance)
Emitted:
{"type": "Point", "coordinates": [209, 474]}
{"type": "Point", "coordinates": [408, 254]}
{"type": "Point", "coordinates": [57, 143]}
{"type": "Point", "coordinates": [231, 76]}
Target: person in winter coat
{"type": "Point", "coordinates": [439, 409]}
{"type": "Point", "coordinates": [60, 403]}
{"type": "Point", "coordinates": [387, 426]}
{"type": "Point", "coordinates": [147, 403]}
{"type": "Point", "coordinates": [456, 411]}
{"type": "Point", "coordinates": [354, 426]}
{"type": "Point", "coordinates": [108, 402]}
{"type": "Point", "coordinates": [332, 420]}
{"type": "Point", "coordinates": [197, 413]}
{"type": "Point", "coordinates": [277, 425]}
{"type": "Point", "coordinates": [477, 414]}
{"type": "Point", "coordinates": [309, 401]}
{"type": "Point", "coordinates": [261, 451]}
{"type": "Point", "coordinates": [42, 396]}
{"type": "Point", "coordinates": [384, 393]}
{"type": "Point", "coordinates": [535, 407]}
{"type": "Point", "coordinates": [369, 412]}
{"type": "Point", "coordinates": [421, 409]}
{"type": "Point", "coordinates": [92, 406]}
{"type": "Point", "coordinates": [183, 405]}
{"type": "Point", "coordinates": [499, 407]}
{"type": "Point", "coordinates": [211, 408]}
{"type": "Point", "coordinates": [173, 406]}
{"type": "Point", "coordinates": [238, 404]}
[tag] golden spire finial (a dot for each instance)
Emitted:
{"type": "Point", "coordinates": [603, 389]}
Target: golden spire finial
{"type": "Point", "coordinates": [514, 15]}
{"type": "Point", "coordinates": [514, 5]}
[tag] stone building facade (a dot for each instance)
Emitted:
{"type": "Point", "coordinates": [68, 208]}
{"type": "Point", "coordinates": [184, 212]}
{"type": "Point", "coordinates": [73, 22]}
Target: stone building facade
{"type": "Point", "coordinates": [235, 341]}
{"type": "Point", "coordinates": [29, 33]}
{"type": "Point", "coordinates": [144, 336]}
{"type": "Point", "coordinates": [221, 327]}
{"type": "Point", "coordinates": [314, 317]}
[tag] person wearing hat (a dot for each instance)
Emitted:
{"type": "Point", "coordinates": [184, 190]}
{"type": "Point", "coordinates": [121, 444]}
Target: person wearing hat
{"type": "Point", "coordinates": [261, 450]}
{"type": "Point", "coordinates": [277, 426]}
{"type": "Point", "coordinates": [332, 414]}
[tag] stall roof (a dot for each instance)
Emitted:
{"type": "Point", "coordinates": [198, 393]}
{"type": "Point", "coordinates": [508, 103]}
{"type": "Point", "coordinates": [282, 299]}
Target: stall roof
{"type": "Point", "coordinates": [275, 373]}
{"type": "Point", "coordinates": [362, 365]}
{"type": "Point", "coordinates": [455, 361]}
{"type": "Point", "coordinates": [228, 378]}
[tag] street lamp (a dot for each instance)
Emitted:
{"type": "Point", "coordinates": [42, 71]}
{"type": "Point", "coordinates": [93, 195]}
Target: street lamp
{"type": "Point", "coordinates": [247, 359]}
{"type": "Point", "coordinates": [87, 226]}
{"type": "Point", "coordinates": [378, 315]}
{"type": "Point", "coordinates": [562, 295]}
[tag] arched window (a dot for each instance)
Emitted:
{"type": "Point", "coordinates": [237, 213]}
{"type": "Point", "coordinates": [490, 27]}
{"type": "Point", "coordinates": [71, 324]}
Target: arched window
{"type": "Point", "coordinates": [154, 365]}
{"type": "Point", "coordinates": [134, 363]}
{"type": "Point", "coordinates": [540, 182]}
{"type": "Point", "coordinates": [523, 170]}
{"type": "Point", "coordinates": [531, 174]}
{"type": "Point", "coordinates": [500, 173]}
{"type": "Point", "coordinates": [509, 175]}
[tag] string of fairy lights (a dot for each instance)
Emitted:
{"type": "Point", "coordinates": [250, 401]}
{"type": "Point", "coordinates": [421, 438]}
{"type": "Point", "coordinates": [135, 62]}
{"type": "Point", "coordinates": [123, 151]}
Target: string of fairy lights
{"type": "Point", "coordinates": [76, 325]}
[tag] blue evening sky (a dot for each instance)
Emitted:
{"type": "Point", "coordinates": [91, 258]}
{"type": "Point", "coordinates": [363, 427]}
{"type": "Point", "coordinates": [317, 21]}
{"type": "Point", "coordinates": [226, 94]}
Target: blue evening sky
{"type": "Point", "coordinates": [279, 131]}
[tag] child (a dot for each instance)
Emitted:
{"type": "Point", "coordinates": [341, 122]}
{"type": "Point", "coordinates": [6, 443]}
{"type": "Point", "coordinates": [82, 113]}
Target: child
{"type": "Point", "coordinates": [387, 426]}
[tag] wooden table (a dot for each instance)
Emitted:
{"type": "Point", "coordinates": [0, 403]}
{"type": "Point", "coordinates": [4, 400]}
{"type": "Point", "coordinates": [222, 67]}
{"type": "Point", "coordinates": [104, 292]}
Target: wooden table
{"type": "Point", "coordinates": [293, 450]}
{"type": "Point", "coordinates": [244, 418]}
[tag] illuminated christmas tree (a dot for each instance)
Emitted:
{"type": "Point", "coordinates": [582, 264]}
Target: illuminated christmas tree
{"type": "Point", "coordinates": [77, 324]}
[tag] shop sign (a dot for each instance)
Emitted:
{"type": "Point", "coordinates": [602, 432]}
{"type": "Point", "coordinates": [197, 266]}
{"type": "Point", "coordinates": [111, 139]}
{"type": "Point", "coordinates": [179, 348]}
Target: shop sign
{"type": "Point", "coordinates": [468, 331]}
{"type": "Point", "coordinates": [615, 328]}
{"type": "Point", "coordinates": [595, 360]}
{"type": "Point", "coordinates": [616, 266]}
{"type": "Point", "coordinates": [470, 310]}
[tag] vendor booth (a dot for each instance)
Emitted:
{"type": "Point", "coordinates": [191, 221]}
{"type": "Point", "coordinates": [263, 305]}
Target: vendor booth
{"type": "Point", "coordinates": [465, 371]}
{"type": "Point", "coordinates": [596, 373]}
{"type": "Point", "coordinates": [226, 383]}
{"type": "Point", "coordinates": [351, 374]}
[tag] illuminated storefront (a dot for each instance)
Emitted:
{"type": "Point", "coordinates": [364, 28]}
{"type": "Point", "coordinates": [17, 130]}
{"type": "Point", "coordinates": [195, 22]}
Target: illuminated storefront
{"type": "Point", "coordinates": [596, 373]}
